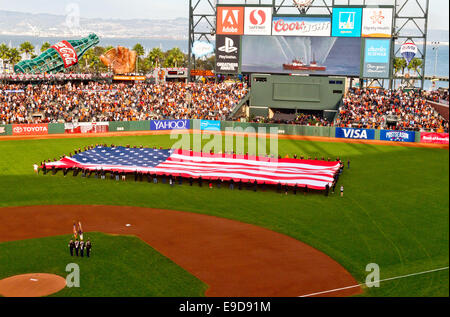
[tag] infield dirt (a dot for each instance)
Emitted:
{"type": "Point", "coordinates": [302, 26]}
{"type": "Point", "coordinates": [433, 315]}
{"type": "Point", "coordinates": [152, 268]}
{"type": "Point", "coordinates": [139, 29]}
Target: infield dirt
{"type": "Point", "coordinates": [231, 257]}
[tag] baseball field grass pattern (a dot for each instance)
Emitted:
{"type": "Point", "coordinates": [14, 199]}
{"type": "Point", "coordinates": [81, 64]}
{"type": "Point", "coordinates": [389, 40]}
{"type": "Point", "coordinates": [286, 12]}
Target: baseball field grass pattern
{"type": "Point", "coordinates": [394, 213]}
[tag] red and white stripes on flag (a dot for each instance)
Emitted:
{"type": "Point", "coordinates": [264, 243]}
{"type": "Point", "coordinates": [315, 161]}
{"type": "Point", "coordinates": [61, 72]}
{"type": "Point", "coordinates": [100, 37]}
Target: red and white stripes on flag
{"type": "Point", "coordinates": [313, 173]}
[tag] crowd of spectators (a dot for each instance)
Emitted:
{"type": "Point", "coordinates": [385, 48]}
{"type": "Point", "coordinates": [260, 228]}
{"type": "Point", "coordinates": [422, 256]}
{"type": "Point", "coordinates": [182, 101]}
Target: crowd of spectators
{"type": "Point", "coordinates": [95, 102]}
{"type": "Point", "coordinates": [394, 109]}
{"type": "Point", "coordinates": [440, 96]}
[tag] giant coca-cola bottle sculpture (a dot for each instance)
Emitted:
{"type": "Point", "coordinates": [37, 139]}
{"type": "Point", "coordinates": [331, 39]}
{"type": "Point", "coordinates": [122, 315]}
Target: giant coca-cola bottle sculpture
{"type": "Point", "coordinates": [58, 57]}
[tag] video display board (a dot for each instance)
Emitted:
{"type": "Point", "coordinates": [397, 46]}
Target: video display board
{"type": "Point", "coordinates": [301, 55]}
{"type": "Point", "coordinates": [254, 39]}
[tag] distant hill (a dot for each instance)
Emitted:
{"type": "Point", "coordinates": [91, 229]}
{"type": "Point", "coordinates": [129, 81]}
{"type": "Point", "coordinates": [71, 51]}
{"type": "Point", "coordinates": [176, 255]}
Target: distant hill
{"type": "Point", "coordinates": [50, 25]}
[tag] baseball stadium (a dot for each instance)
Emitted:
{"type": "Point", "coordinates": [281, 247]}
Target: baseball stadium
{"type": "Point", "coordinates": [301, 164]}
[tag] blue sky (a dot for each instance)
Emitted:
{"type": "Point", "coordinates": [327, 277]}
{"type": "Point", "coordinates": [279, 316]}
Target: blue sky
{"type": "Point", "coordinates": [160, 9]}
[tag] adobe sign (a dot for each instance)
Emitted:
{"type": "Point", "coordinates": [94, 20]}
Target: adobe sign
{"type": "Point", "coordinates": [230, 20]}
{"type": "Point", "coordinates": [258, 21]}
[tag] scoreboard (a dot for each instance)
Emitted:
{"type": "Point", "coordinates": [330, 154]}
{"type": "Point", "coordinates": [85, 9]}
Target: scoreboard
{"type": "Point", "coordinates": [352, 41]}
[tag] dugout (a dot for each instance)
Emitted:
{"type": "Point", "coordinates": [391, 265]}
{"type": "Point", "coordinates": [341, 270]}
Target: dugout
{"type": "Point", "coordinates": [271, 94]}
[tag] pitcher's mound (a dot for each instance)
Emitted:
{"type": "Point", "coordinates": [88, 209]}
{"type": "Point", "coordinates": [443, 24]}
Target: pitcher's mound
{"type": "Point", "coordinates": [31, 285]}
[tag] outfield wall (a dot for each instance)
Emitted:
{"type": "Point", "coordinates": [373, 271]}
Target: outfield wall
{"type": "Point", "coordinates": [211, 125]}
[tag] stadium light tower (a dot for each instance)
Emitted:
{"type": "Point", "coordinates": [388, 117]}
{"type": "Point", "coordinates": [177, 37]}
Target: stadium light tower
{"type": "Point", "coordinates": [436, 50]}
{"type": "Point", "coordinates": [202, 26]}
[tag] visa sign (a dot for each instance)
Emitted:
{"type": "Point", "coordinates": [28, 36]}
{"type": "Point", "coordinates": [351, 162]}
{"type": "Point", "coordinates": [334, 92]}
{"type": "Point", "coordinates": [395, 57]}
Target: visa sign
{"type": "Point", "coordinates": [350, 133]}
{"type": "Point", "coordinates": [169, 124]}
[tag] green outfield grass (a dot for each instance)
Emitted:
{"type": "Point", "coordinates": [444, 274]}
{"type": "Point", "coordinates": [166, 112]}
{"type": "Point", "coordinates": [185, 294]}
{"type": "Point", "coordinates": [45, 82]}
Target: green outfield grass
{"type": "Point", "coordinates": [119, 266]}
{"type": "Point", "coordinates": [395, 211]}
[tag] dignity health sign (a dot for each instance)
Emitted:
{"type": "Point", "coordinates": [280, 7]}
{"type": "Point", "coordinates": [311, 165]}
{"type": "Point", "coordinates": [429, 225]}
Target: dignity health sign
{"type": "Point", "coordinates": [376, 22]}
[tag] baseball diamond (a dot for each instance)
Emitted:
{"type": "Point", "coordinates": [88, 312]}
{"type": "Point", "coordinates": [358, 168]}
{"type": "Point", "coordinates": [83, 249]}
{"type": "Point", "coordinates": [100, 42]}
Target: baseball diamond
{"type": "Point", "coordinates": [235, 156]}
{"type": "Point", "coordinates": [276, 265]}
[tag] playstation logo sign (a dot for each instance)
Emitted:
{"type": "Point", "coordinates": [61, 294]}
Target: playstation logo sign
{"type": "Point", "coordinates": [227, 54]}
{"type": "Point", "coordinates": [229, 46]}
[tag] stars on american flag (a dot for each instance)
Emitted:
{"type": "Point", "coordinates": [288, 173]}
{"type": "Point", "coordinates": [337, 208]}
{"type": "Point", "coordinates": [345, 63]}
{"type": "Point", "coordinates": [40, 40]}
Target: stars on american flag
{"type": "Point", "coordinates": [123, 156]}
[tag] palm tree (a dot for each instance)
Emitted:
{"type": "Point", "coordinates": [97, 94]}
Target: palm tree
{"type": "Point", "coordinates": [139, 49]}
{"type": "Point", "coordinates": [13, 56]}
{"type": "Point", "coordinates": [45, 46]}
{"type": "Point", "coordinates": [415, 64]}
{"type": "Point", "coordinates": [399, 64]}
{"type": "Point", "coordinates": [4, 49]}
{"type": "Point", "coordinates": [174, 58]}
{"type": "Point", "coordinates": [87, 60]}
{"type": "Point", "coordinates": [27, 48]}
{"type": "Point", "coordinates": [155, 57]}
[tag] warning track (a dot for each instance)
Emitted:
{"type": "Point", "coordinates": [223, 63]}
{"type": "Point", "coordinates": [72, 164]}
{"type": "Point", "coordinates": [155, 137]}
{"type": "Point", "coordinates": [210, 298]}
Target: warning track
{"type": "Point", "coordinates": [166, 132]}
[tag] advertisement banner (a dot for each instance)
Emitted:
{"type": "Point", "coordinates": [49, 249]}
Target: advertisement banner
{"type": "Point", "coordinates": [397, 136]}
{"type": "Point", "coordinates": [30, 129]}
{"type": "Point", "coordinates": [227, 54]}
{"type": "Point", "coordinates": [210, 125]}
{"type": "Point", "coordinates": [377, 22]}
{"type": "Point", "coordinates": [169, 124]}
{"type": "Point", "coordinates": [2, 130]}
{"type": "Point", "coordinates": [86, 127]}
{"type": "Point", "coordinates": [201, 48]}
{"type": "Point", "coordinates": [230, 20]}
{"type": "Point", "coordinates": [201, 72]}
{"type": "Point", "coordinates": [258, 21]}
{"type": "Point", "coordinates": [351, 133]}
{"type": "Point", "coordinates": [120, 77]}
{"type": "Point", "coordinates": [433, 137]}
{"type": "Point", "coordinates": [67, 53]}
{"type": "Point", "coordinates": [301, 26]}
{"type": "Point", "coordinates": [346, 22]}
{"type": "Point", "coordinates": [376, 58]}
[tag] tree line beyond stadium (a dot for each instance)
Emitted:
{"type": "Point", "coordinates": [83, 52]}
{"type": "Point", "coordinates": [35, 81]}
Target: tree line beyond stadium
{"type": "Point", "coordinates": [211, 125]}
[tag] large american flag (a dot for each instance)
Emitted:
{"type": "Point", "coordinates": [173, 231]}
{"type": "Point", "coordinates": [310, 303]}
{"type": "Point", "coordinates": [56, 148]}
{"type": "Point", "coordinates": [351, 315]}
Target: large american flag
{"type": "Point", "coordinates": [177, 162]}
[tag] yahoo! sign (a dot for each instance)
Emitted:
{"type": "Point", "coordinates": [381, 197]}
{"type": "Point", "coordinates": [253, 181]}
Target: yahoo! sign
{"type": "Point", "coordinates": [169, 124]}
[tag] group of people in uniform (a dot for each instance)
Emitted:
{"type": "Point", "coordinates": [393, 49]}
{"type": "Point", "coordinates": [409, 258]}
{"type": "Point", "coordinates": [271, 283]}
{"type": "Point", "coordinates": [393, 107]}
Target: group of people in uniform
{"type": "Point", "coordinates": [77, 245]}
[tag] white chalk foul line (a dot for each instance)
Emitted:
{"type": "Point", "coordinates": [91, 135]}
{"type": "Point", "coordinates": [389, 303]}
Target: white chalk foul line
{"type": "Point", "coordinates": [379, 281]}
